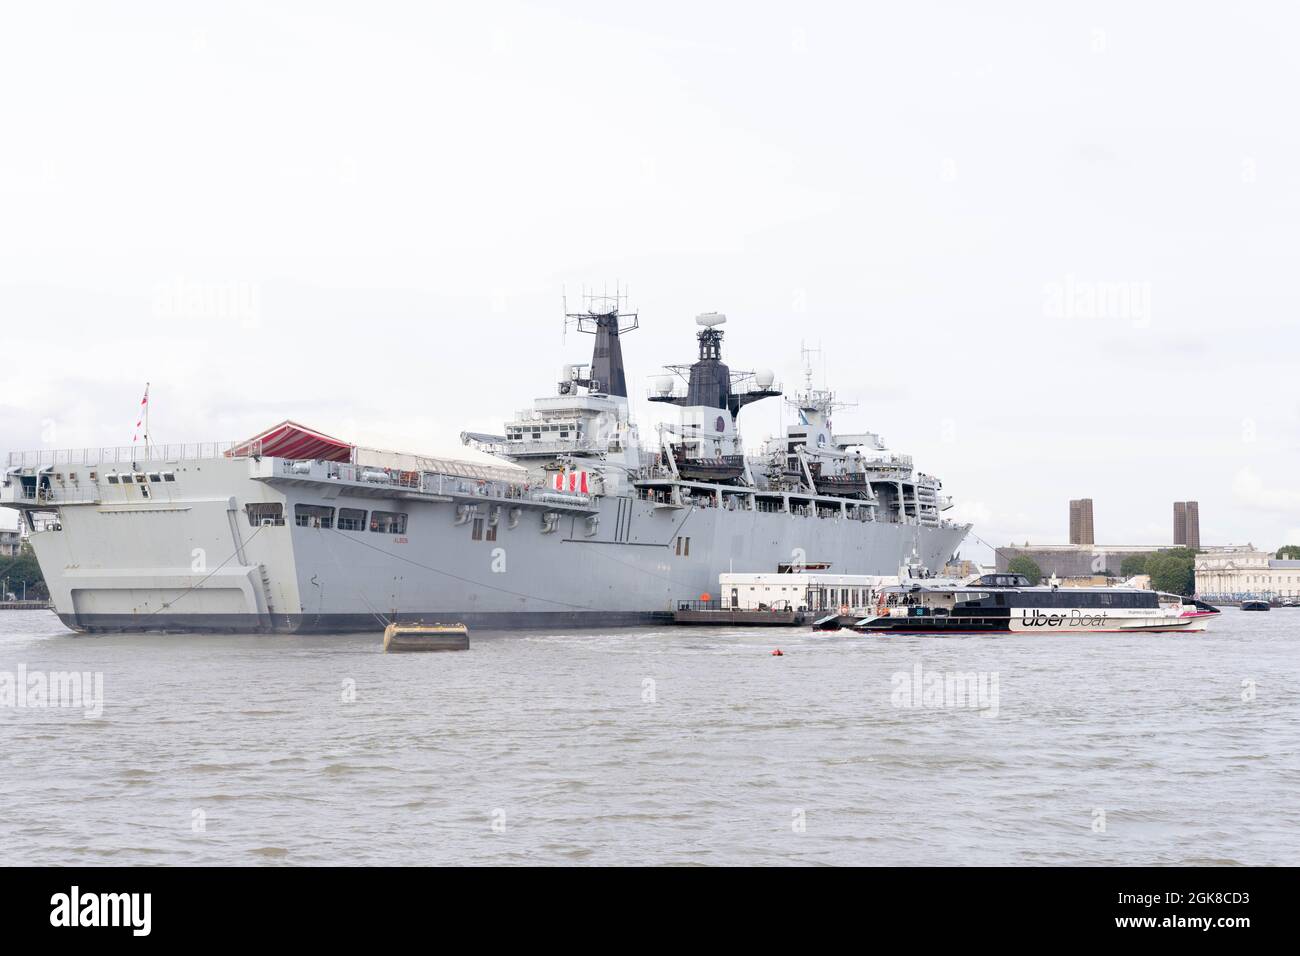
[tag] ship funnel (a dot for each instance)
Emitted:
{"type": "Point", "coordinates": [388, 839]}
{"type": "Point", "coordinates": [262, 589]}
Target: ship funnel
{"type": "Point", "coordinates": [710, 319]}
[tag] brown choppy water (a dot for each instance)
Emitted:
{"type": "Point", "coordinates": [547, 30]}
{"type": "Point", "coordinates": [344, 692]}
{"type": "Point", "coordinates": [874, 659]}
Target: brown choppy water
{"type": "Point", "coordinates": [555, 749]}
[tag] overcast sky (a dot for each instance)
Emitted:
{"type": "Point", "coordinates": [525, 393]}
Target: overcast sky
{"type": "Point", "coordinates": [1050, 253]}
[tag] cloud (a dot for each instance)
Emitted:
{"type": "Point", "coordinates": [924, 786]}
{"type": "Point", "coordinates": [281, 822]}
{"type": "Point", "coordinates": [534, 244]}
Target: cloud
{"type": "Point", "coordinates": [1249, 490]}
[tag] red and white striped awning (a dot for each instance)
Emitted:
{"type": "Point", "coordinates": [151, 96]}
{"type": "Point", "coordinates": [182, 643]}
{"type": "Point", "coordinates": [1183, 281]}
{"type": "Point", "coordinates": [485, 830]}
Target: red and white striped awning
{"type": "Point", "coordinates": [291, 440]}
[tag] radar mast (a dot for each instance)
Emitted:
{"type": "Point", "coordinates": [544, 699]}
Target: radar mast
{"type": "Point", "coordinates": [606, 317]}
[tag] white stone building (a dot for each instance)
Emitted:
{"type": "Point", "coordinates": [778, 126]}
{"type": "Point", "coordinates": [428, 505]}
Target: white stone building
{"type": "Point", "coordinates": [11, 538]}
{"type": "Point", "coordinates": [1238, 571]}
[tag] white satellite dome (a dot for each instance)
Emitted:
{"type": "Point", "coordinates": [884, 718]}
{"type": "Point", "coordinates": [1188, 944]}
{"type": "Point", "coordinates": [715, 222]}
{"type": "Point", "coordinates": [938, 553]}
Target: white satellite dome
{"type": "Point", "coordinates": [764, 378]}
{"type": "Point", "coordinates": [663, 384]}
{"type": "Point", "coordinates": [710, 319]}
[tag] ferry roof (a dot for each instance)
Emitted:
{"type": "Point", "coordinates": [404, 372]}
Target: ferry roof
{"type": "Point", "coordinates": [939, 586]}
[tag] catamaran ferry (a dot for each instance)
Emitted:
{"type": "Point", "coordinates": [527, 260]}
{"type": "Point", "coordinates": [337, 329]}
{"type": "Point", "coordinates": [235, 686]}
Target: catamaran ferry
{"type": "Point", "coordinates": [1005, 603]}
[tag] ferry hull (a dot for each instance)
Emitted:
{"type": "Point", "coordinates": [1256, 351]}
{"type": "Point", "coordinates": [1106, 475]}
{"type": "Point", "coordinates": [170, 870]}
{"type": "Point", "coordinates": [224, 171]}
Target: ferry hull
{"type": "Point", "coordinates": [1017, 624]}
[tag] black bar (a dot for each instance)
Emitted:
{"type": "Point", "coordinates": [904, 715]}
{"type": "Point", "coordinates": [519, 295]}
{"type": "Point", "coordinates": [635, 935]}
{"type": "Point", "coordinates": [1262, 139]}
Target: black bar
{"type": "Point", "coordinates": [1230, 906]}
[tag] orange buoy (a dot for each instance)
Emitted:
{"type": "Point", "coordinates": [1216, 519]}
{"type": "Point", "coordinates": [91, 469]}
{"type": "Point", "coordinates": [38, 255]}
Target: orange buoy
{"type": "Point", "coordinates": [706, 596]}
{"type": "Point", "coordinates": [778, 653]}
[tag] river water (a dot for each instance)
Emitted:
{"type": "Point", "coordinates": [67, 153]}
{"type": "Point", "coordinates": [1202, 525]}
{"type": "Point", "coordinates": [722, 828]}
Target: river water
{"type": "Point", "coordinates": [644, 746]}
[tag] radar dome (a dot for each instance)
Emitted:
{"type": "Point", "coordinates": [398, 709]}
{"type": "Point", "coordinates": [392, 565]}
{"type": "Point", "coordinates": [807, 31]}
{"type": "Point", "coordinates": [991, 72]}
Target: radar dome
{"type": "Point", "coordinates": [710, 319]}
{"type": "Point", "coordinates": [764, 378]}
{"type": "Point", "coordinates": [663, 385]}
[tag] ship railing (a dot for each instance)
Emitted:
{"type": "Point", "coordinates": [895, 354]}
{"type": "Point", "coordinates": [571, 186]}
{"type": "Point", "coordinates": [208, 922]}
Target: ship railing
{"type": "Point", "coordinates": [436, 483]}
{"type": "Point", "coordinates": [646, 472]}
{"type": "Point", "coordinates": [53, 495]}
{"type": "Point", "coordinates": [717, 604]}
{"type": "Point", "coordinates": [539, 446]}
{"type": "Point", "coordinates": [127, 455]}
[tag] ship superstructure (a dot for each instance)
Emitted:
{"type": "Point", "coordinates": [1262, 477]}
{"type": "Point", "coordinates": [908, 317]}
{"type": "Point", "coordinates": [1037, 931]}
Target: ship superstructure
{"type": "Point", "coordinates": [582, 525]}
{"type": "Point", "coordinates": [855, 465]}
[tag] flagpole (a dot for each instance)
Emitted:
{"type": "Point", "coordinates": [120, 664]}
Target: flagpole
{"type": "Point", "coordinates": [142, 419]}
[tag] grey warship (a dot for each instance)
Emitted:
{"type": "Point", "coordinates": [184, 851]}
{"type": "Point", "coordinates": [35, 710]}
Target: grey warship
{"type": "Point", "coordinates": [582, 525]}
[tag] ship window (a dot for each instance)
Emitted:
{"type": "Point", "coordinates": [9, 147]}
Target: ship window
{"type": "Point", "coordinates": [260, 513]}
{"type": "Point", "coordinates": [128, 480]}
{"type": "Point", "coordinates": [112, 479]}
{"type": "Point", "coordinates": [169, 476]}
{"type": "Point", "coordinates": [155, 477]}
{"type": "Point", "coordinates": [388, 522]}
{"type": "Point", "coordinates": [313, 516]}
{"type": "Point", "coordinates": [144, 489]}
{"type": "Point", "coordinates": [477, 532]}
{"type": "Point", "coordinates": [492, 532]}
{"type": "Point", "coordinates": [352, 519]}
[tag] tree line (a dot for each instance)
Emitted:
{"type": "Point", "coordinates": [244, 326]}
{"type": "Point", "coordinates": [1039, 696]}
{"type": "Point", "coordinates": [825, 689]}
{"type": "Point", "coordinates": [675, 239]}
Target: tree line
{"type": "Point", "coordinates": [23, 571]}
{"type": "Point", "coordinates": [1172, 571]}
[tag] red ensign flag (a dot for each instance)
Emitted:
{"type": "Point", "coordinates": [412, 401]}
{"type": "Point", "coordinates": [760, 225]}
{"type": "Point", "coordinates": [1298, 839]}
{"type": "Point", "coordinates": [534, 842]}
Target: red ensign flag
{"type": "Point", "coordinates": [144, 405]}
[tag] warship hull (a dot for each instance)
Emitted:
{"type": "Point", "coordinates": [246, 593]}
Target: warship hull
{"type": "Point", "coordinates": [198, 552]}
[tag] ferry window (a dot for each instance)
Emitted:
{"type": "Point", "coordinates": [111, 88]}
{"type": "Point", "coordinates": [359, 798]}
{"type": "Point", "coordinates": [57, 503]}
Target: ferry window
{"type": "Point", "coordinates": [169, 476]}
{"type": "Point", "coordinates": [313, 516]}
{"type": "Point", "coordinates": [144, 489]}
{"type": "Point", "coordinates": [112, 479]}
{"type": "Point", "coordinates": [388, 522]}
{"type": "Point", "coordinates": [477, 533]}
{"type": "Point", "coordinates": [155, 477]}
{"type": "Point", "coordinates": [352, 519]}
{"type": "Point", "coordinates": [128, 480]}
{"type": "Point", "coordinates": [260, 513]}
